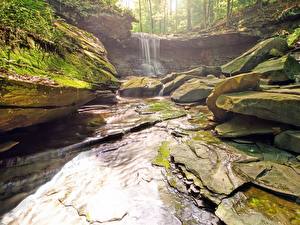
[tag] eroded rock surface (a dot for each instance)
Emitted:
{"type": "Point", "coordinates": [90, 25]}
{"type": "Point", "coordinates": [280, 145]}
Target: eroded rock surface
{"type": "Point", "coordinates": [283, 108]}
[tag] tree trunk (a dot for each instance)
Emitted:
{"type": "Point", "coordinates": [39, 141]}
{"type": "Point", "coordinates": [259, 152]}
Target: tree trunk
{"type": "Point", "coordinates": [151, 16]}
{"type": "Point", "coordinates": [205, 13]}
{"type": "Point", "coordinates": [165, 17]}
{"type": "Point", "coordinates": [140, 16]}
{"type": "Point", "coordinates": [189, 15]}
{"type": "Point", "coordinates": [259, 4]}
{"type": "Point", "coordinates": [228, 13]}
{"type": "Point", "coordinates": [176, 15]}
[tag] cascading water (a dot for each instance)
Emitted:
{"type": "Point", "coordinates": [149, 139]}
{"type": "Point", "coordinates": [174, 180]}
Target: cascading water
{"type": "Point", "coordinates": [149, 48]}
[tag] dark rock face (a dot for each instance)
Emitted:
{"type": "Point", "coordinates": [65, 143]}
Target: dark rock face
{"type": "Point", "coordinates": [101, 23]}
{"type": "Point", "coordinates": [180, 53]}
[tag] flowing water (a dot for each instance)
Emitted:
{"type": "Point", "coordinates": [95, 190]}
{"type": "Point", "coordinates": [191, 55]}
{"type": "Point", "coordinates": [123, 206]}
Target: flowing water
{"type": "Point", "coordinates": [149, 48]}
{"type": "Point", "coordinates": [113, 182]}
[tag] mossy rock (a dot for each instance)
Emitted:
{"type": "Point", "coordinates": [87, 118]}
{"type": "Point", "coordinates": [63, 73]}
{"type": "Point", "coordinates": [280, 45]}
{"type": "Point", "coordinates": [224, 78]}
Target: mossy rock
{"type": "Point", "coordinates": [243, 82]}
{"type": "Point", "coordinates": [284, 108]}
{"type": "Point", "coordinates": [255, 206]}
{"type": "Point", "coordinates": [193, 90]}
{"type": "Point", "coordinates": [279, 70]}
{"type": "Point", "coordinates": [256, 55]}
{"type": "Point", "coordinates": [176, 83]}
{"type": "Point", "coordinates": [77, 60]}
{"type": "Point", "coordinates": [140, 87]}
{"type": "Point", "coordinates": [29, 93]}
{"type": "Point", "coordinates": [29, 102]}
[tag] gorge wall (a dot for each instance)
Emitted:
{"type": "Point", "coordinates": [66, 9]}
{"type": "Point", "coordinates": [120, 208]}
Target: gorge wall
{"type": "Point", "coordinates": [179, 53]}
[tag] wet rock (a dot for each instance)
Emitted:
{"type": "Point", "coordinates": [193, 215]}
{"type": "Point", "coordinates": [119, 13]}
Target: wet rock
{"type": "Point", "coordinates": [140, 87]}
{"type": "Point", "coordinates": [211, 164]}
{"type": "Point", "coordinates": [283, 69]}
{"type": "Point", "coordinates": [279, 178]}
{"type": "Point", "coordinates": [259, 53]}
{"type": "Point", "coordinates": [289, 140]}
{"type": "Point", "coordinates": [283, 108]}
{"type": "Point", "coordinates": [240, 126]}
{"type": "Point", "coordinates": [193, 90]}
{"type": "Point", "coordinates": [285, 90]}
{"type": "Point", "coordinates": [255, 206]}
{"type": "Point", "coordinates": [264, 152]}
{"type": "Point", "coordinates": [7, 145]}
{"type": "Point", "coordinates": [243, 82]}
{"type": "Point", "coordinates": [18, 92]}
{"type": "Point", "coordinates": [169, 77]}
{"type": "Point", "coordinates": [174, 84]}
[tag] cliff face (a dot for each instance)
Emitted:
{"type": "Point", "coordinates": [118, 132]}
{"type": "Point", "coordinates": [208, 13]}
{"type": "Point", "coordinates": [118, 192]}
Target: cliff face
{"type": "Point", "coordinates": [209, 47]}
{"type": "Point", "coordinates": [180, 53]}
{"type": "Point", "coordinates": [101, 20]}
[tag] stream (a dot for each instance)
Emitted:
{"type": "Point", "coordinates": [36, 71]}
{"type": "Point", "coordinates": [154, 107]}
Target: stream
{"type": "Point", "coordinates": [108, 164]}
{"type": "Point", "coordinates": [113, 182]}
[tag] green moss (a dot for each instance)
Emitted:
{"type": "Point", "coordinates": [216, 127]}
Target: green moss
{"type": "Point", "coordinates": [206, 136]}
{"type": "Point", "coordinates": [293, 37]}
{"type": "Point", "coordinates": [166, 109]}
{"type": "Point", "coordinates": [163, 155]}
{"type": "Point", "coordinates": [273, 206]}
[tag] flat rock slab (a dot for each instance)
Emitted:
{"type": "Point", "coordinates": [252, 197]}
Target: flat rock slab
{"type": "Point", "coordinates": [212, 164]}
{"type": "Point", "coordinates": [280, 178]}
{"type": "Point", "coordinates": [174, 84]}
{"type": "Point", "coordinates": [140, 87]}
{"type": "Point", "coordinates": [257, 207]}
{"type": "Point", "coordinates": [289, 140]}
{"type": "Point", "coordinates": [283, 108]}
{"type": "Point", "coordinates": [278, 70]}
{"type": "Point", "coordinates": [240, 126]}
{"type": "Point", "coordinates": [193, 90]}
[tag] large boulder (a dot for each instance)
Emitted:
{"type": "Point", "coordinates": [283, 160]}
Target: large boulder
{"type": "Point", "coordinates": [279, 70]}
{"type": "Point", "coordinates": [193, 90]}
{"type": "Point", "coordinates": [243, 82]}
{"type": "Point", "coordinates": [259, 53]}
{"type": "Point", "coordinates": [25, 103]}
{"type": "Point", "coordinates": [174, 84]}
{"type": "Point", "coordinates": [283, 108]}
{"type": "Point", "coordinates": [140, 87]}
{"type": "Point", "coordinates": [240, 126]}
{"type": "Point", "coordinates": [203, 71]}
{"type": "Point", "coordinates": [289, 140]}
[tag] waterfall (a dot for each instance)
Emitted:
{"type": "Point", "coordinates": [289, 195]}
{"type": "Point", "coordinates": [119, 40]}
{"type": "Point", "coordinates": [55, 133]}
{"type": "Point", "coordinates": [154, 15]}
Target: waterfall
{"type": "Point", "coordinates": [149, 48]}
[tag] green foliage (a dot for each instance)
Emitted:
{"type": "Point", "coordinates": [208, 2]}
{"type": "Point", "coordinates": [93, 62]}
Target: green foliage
{"type": "Point", "coordinates": [31, 15]}
{"type": "Point", "coordinates": [293, 37]}
{"type": "Point", "coordinates": [83, 8]}
{"type": "Point", "coordinates": [33, 44]}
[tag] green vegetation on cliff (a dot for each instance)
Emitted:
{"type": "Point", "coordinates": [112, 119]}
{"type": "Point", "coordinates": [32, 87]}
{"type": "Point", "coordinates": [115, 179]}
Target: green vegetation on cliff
{"type": "Point", "coordinates": [34, 43]}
